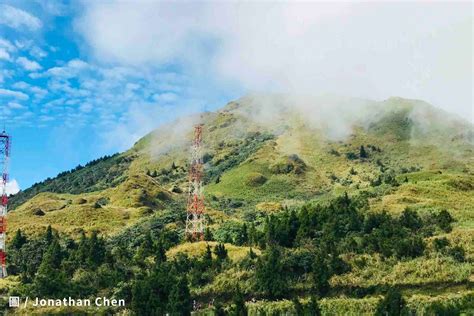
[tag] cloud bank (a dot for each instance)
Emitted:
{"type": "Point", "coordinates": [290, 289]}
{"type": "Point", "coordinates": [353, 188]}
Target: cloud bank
{"type": "Point", "coordinates": [17, 18]}
{"type": "Point", "coordinates": [369, 50]}
{"type": "Point", "coordinates": [13, 187]}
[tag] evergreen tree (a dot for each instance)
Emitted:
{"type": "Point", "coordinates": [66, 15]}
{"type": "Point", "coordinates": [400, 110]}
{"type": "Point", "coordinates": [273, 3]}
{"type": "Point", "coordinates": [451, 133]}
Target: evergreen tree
{"type": "Point", "coordinates": [50, 281]}
{"type": "Point", "coordinates": [392, 304]}
{"type": "Point", "coordinates": [145, 250]}
{"type": "Point", "coordinates": [321, 275]}
{"type": "Point", "coordinates": [220, 251]}
{"type": "Point", "coordinates": [298, 307]}
{"type": "Point", "coordinates": [238, 303]}
{"type": "Point", "coordinates": [140, 298]}
{"type": "Point", "coordinates": [252, 254]}
{"type": "Point", "coordinates": [363, 152]}
{"type": "Point", "coordinates": [207, 257]}
{"type": "Point", "coordinates": [219, 309]}
{"type": "Point", "coordinates": [208, 234]}
{"type": "Point", "coordinates": [82, 252]}
{"type": "Point", "coordinates": [270, 275]}
{"type": "Point", "coordinates": [18, 240]}
{"type": "Point", "coordinates": [252, 235]}
{"type": "Point", "coordinates": [96, 253]}
{"type": "Point", "coordinates": [180, 300]}
{"type": "Point", "coordinates": [293, 227]}
{"type": "Point", "coordinates": [48, 237]}
{"type": "Point", "coordinates": [242, 237]}
{"type": "Point", "coordinates": [270, 231]}
{"type": "Point", "coordinates": [312, 309]}
{"type": "Point", "coordinates": [160, 251]}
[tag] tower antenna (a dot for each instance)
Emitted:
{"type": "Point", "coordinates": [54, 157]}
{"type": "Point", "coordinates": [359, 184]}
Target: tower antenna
{"type": "Point", "coordinates": [5, 146]}
{"type": "Point", "coordinates": [195, 221]}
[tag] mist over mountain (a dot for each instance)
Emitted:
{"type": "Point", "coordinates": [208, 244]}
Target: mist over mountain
{"type": "Point", "coordinates": [268, 158]}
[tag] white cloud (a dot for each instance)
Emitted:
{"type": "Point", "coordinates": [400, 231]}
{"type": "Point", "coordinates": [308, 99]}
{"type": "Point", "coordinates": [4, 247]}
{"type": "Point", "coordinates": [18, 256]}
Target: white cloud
{"type": "Point", "coordinates": [6, 48]}
{"type": "Point", "coordinates": [39, 93]}
{"type": "Point", "coordinates": [15, 105]}
{"type": "Point", "coordinates": [165, 97]}
{"type": "Point", "coordinates": [13, 94]}
{"type": "Point", "coordinates": [358, 49]}
{"type": "Point", "coordinates": [16, 18]}
{"type": "Point", "coordinates": [7, 45]}
{"type": "Point", "coordinates": [72, 69]}
{"type": "Point", "coordinates": [86, 107]}
{"type": "Point", "coordinates": [13, 187]}
{"type": "Point", "coordinates": [37, 52]}
{"type": "Point", "coordinates": [27, 64]}
{"type": "Point", "coordinates": [20, 85]}
{"type": "Point", "coordinates": [4, 54]}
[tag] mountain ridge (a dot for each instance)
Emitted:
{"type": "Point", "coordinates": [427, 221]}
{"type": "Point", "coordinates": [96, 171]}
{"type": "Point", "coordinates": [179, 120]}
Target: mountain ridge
{"type": "Point", "coordinates": [237, 132]}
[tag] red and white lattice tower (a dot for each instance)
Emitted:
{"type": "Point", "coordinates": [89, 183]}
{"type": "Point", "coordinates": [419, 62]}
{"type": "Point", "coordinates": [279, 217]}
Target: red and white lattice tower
{"type": "Point", "coordinates": [195, 221]}
{"type": "Point", "coordinates": [5, 143]}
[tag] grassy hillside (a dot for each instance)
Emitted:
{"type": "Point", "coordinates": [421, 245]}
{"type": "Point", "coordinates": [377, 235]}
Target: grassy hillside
{"type": "Point", "coordinates": [265, 156]}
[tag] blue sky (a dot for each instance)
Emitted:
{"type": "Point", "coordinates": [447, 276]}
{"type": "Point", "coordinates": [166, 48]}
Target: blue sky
{"type": "Point", "coordinates": [82, 79]}
{"type": "Point", "coordinates": [63, 108]}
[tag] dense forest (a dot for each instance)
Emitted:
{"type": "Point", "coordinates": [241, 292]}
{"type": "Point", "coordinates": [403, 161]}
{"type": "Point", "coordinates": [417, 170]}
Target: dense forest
{"type": "Point", "coordinates": [297, 245]}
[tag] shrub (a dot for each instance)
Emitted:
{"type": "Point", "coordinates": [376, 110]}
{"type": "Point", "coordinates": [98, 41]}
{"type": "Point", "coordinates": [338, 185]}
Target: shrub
{"type": "Point", "coordinates": [255, 179]}
{"type": "Point", "coordinates": [392, 304]}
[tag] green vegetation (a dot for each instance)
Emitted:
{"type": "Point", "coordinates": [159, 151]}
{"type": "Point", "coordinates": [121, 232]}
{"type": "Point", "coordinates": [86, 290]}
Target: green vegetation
{"type": "Point", "coordinates": [378, 223]}
{"type": "Point", "coordinates": [99, 174]}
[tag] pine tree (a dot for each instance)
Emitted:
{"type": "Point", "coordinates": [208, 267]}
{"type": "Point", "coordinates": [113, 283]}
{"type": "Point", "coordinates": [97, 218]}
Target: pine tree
{"type": "Point", "coordinates": [298, 307]}
{"type": "Point", "coordinates": [208, 234]}
{"type": "Point", "coordinates": [238, 303]}
{"type": "Point", "coordinates": [180, 300]}
{"type": "Point", "coordinates": [18, 240]}
{"type": "Point", "coordinates": [270, 231]}
{"type": "Point", "coordinates": [220, 251]}
{"type": "Point", "coordinates": [143, 301]}
{"type": "Point", "coordinates": [392, 304]}
{"type": "Point", "coordinates": [82, 252]}
{"type": "Point", "coordinates": [96, 253]}
{"type": "Point", "coordinates": [207, 257]}
{"type": "Point", "coordinates": [321, 275]}
{"type": "Point", "coordinates": [253, 235]}
{"type": "Point", "coordinates": [160, 251]}
{"type": "Point", "coordinates": [145, 250]}
{"type": "Point", "coordinates": [49, 235]}
{"type": "Point", "coordinates": [293, 227]}
{"type": "Point", "coordinates": [313, 309]}
{"type": "Point", "coordinates": [252, 254]}
{"type": "Point", "coordinates": [50, 281]}
{"type": "Point", "coordinates": [242, 237]}
{"type": "Point", "coordinates": [219, 309]}
{"type": "Point", "coordinates": [270, 274]}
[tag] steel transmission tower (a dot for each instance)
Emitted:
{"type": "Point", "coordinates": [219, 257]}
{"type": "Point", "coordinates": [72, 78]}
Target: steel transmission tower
{"type": "Point", "coordinates": [5, 142]}
{"type": "Point", "coordinates": [195, 221]}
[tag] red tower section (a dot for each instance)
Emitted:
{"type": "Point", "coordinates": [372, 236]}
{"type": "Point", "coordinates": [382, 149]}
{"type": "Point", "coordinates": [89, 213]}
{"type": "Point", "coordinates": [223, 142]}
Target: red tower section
{"type": "Point", "coordinates": [5, 142]}
{"type": "Point", "coordinates": [195, 221]}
